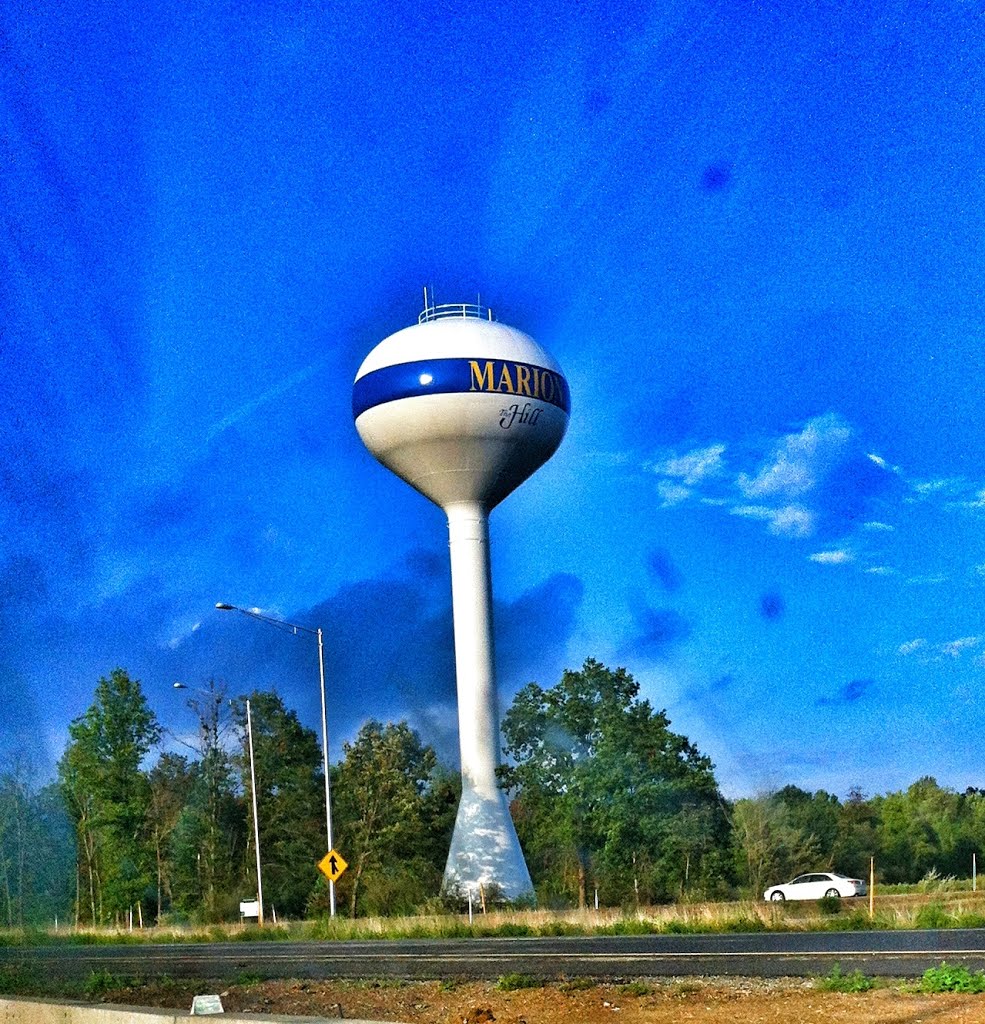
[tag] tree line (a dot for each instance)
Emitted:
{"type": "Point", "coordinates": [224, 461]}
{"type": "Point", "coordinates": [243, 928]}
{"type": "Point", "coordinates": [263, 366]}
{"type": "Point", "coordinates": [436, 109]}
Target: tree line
{"type": "Point", "coordinates": [607, 801]}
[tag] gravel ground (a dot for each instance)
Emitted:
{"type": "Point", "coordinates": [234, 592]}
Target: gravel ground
{"type": "Point", "coordinates": [580, 1001]}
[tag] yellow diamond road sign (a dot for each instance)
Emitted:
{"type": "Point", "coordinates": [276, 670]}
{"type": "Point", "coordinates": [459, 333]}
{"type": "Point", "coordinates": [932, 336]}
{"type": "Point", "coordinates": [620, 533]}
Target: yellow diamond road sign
{"type": "Point", "coordinates": [332, 865]}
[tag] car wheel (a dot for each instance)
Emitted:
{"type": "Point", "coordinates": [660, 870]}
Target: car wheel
{"type": "Point", "coordinates": [833, 892]}
{"type": "Point", "coordinates": [777, 896]}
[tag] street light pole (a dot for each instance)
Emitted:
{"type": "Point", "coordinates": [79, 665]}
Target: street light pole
{"type": "Point", "coordinates": [256, 820]}
{"type": "Point", "coordinates": [296, 629]}
{"type": "Point", "coordinates": [324, 754]}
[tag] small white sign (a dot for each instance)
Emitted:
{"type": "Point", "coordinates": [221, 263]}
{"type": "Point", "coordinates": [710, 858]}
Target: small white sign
{"type": "Point", "coordinates": [250, 908]}
{"type": "Point", "coordinates": [204, 1005]}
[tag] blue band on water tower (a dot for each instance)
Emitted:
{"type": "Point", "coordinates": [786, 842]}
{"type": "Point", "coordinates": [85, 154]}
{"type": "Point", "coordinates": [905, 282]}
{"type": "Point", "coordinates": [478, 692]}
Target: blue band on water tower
{"type": "Point", "coordinates": [459, 376]}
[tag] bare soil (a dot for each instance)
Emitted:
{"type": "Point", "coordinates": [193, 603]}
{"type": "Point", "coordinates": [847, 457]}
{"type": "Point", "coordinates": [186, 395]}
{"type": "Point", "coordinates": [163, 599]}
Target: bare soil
{"type": "Point", "coordinates": [702, 1001]}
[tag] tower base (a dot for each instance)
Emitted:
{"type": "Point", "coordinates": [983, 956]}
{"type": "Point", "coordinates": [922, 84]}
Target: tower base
{"type": "Point", "coordinates": [485, 851]}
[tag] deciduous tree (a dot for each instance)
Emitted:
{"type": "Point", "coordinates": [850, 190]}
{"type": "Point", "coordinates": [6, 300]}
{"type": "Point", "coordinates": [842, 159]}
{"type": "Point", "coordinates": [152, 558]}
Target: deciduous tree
{"type": "Point", "coordinates": [605, 787]}
{"type": "Point", "coordinates": [382, 796]}
{"type": "Point", "coordinates": [108, 794]}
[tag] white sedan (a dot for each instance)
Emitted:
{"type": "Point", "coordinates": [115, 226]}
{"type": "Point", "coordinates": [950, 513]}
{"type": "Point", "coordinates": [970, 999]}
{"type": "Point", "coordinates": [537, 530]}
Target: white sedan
{"type": "Point", "coordinates": [816, 885]}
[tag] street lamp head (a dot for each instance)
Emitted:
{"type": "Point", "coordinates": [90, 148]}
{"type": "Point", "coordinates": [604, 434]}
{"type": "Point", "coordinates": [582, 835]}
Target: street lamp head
{"type": "Point", "coordinates": [179, 686]}
{"type": "Point", "coordinates": [223, 607]}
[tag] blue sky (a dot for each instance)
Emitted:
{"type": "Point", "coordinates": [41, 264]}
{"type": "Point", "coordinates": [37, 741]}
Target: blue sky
{"type": "Point", "coordinates": [750, 233]}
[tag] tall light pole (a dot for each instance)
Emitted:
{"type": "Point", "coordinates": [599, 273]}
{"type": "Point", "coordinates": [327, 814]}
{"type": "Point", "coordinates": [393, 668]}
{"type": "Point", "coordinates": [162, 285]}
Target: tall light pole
{"type": "Point", "coordinates": [296, 630]}
{"type": "Point", "coordinates": [256, 820]}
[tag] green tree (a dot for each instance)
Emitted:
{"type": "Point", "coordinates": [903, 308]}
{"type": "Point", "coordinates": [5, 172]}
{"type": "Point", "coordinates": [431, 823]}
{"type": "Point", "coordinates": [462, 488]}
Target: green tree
{"type": "Point", "coordinates": [36, 851]}
{"type": "Point", "coordinates": [604, 790]}
{"type": "Point", "coordinates": [390, 809]}
{"type": "Point", "coordinates": [170, 785]}
{"type": "Point", "coordinates": [290, 799]}
{"type": "Point", "coordinates": [919, 832]}
{"type": "Point", "coordinates": [815, 816]}
{"type": "Point", "coordinates": [210, 833]}
{"type": "Point", "coordinates": [770, 847]}
{"type": "Point", "coordinates": [858, 834]}
{"type": "Point", "coordinates": [108, 795]}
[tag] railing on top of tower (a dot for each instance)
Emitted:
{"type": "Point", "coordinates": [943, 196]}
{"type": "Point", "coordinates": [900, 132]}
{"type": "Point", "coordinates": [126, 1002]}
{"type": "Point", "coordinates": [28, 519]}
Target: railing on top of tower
{"type": "Point", "coordinates": [449, 310]}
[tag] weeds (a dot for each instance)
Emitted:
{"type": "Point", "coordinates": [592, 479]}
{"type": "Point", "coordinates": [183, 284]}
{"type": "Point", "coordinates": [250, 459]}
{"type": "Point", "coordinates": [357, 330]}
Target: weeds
{"type": "Point", "coordinates": [513, 981]}
{"type": "Point", "coordinates": [836, 981]}
{"type": "Point", "coordinates": [952, 978]}
{"type": "Point", "coordinates": [100, 982]}
{"type": "Point", "coordinates": [932, 916]}
{"type": "Point", "coordinates": [636, 988]}
{"type": "Point", "coordinates": [577, 984]}
{"type": "Point", "coordinates": [18, 979]}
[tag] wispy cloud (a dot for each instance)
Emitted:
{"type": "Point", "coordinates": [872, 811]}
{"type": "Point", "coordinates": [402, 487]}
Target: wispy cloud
{"type": "Point", "coordinates": [927, 652]}
{"type": "Point", "coordinates": [694, 466]}
{"type": "Point", "coordinates": [955, 648]}
{"type": "Point", "coordinates": [681, 474]}
{"type": "Point", "coordinates": [820, 482]}
{"type": "Point", "coordinates": [788, 521]}
{"type": "Point", "coordinates": [839, 556]}
{"type": "Point", "coordinates": [799, 461]}
{"type": "Point", "coordinates": [912, 646]}
{"type": "Point", "coordinates": [248, 408]}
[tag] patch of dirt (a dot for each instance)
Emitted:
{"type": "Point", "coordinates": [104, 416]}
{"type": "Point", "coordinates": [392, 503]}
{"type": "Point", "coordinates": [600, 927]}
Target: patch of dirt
{"type": "Point", "coordinates": [700, 1001]}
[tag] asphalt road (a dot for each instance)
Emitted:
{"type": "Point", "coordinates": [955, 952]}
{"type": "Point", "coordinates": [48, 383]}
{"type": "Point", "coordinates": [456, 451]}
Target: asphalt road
{"type": "Point", "coordinates": [890, 954]}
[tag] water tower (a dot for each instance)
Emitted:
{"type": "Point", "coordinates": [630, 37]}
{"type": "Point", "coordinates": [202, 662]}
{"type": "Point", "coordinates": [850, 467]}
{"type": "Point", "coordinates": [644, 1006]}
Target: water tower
{"type": "Point", "coordinates": [464, 409]}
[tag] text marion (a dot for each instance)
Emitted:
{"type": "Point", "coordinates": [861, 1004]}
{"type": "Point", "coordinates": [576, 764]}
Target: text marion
{"type": "Point", "coordinates": [516, 379]}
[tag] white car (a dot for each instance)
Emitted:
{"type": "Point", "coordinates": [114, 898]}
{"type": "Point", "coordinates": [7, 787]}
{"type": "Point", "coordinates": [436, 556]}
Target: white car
{"type": "Point", "coordinates": [816, 885]}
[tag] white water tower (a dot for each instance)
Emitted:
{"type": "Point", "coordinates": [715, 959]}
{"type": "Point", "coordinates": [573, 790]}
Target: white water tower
{"type": "Point", "coordinates": [465, 409]}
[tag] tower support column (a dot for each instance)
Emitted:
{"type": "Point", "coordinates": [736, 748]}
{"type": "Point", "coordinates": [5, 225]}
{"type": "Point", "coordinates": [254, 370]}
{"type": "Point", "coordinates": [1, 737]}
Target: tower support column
{"type": "Point", "coordinates": [484, 848]}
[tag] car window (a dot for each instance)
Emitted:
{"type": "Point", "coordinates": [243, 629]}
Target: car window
{"type": "Point", "coordinates": [801, 879]}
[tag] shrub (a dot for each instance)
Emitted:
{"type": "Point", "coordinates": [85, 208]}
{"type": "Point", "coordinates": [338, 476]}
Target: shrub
{"type": "Point", "coordinates": [836, 981]}
{"type": "Point", "coordinates": [952, 978]}
{"type": "Point", "coordinates": [512, 981]}
{"type": "Point", "coordinates": [636, 988]}
{"type": "Point", "coordinates": [933, 915]}
{"type": "Point", "coordinates": [100, 982]}
{"type": "Point", "coordinates": [829, 905]}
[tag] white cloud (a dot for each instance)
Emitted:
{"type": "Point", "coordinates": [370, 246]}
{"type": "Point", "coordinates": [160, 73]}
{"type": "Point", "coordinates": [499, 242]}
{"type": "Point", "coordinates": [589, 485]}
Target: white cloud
{"type": "Point", "coordinates": [977, 502]}
{"type": "Point", "coordinates": [957, 647]}
{"type": "Point", "coordinates": [673, 494]}
{"type": "Point", "coordinates": [883, 464]}
{"type": "Point", "coordinates": [877, 527]}
{"type": "Point", "coordinates": [799, 461]}
{"type": "Point", "coordinates": [752, 511]}
{"type": "Point", "coordinates": [695, 466]}
{"type": "Point", "coordinates": [927, 487]}
{"type": "Point", "coordinates": [911, 646]}
{"type": "Point", "coordinates": [882, 570]}
{"type": "Point", "coordinates": [792, 521]}
{"type": "Point", "coordinates": [789, 521]}
{"type": "Point", "coordinates": [839, 556]}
